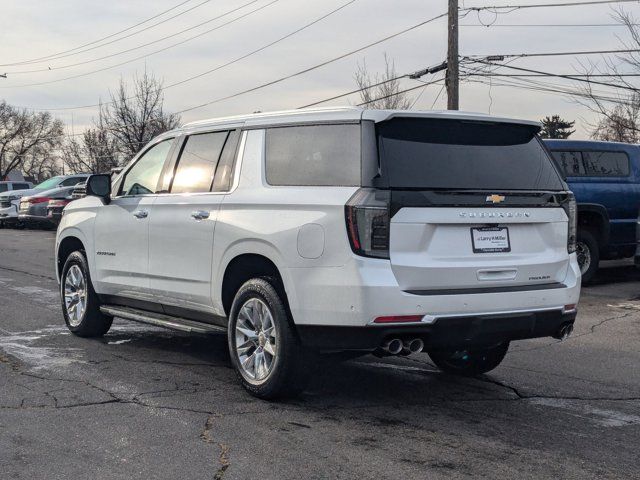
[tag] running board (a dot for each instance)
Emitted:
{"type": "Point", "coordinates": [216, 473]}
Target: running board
{"type": "Point", "coordinates": [160, 320]}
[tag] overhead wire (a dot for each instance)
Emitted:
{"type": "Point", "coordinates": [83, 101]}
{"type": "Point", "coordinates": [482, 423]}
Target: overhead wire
{"type": "Point", "coordinates": [41, 59]}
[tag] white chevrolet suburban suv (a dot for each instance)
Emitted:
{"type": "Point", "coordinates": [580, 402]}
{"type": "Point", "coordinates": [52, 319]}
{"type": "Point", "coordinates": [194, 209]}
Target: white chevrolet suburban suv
{"type": "Point", "coordinates": [330, 230]}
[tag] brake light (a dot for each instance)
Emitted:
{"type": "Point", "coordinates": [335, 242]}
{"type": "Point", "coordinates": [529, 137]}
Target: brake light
{"type": "Point", "coordinates": [367, 217]}
{"type": "Point", "coordinates": [58, 203]}
{"type": "Point", "coordinates": [571, 209]}
{"type": "Point", "coordinates": [37, 200]}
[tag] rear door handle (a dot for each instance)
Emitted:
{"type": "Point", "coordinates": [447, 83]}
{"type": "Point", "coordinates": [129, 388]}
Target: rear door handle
{"type": "Point", "coordinates": [141, 214]}
{"type": "Point", "coordinates": [199, 215]}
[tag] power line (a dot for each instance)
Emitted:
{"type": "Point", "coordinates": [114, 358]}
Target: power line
{"type": "Point", "coordinates": [315, 67]}
{"type": "Point", "coordinates": [138, 47]}
{"type": "Point", "coordinates": [281, 79]}
{"type": "Point", "coordinates": [34, 60]}
{"type": "Point", "coordinates": [495, 8]}
{"type": "Point", "coordinates": [568, 77]}
{"type": "Point", "coordinates": [515, 75]}
{"type": "Point", "coordinates": [538, 25]}
{"type": "Point", "coordinates": [235, 60]}
{"type": "Point", "coordinates": [554, 54]}
{"type": "Point", "coordinates": [415, 75]}
{"type": "Point", "coordinates": [149, 54]}
{"type": "Point", "coordinates": [400, 92]}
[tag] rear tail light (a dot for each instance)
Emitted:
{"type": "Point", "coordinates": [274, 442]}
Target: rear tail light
{"type": "Point", "coordinates": [37, 200]}
{"type": "Point", "coordinates": [571, 209]}
{"type": "Point", "coordinates": [367, 217]}
{"type": "Point", "coordinates": [58, 203]}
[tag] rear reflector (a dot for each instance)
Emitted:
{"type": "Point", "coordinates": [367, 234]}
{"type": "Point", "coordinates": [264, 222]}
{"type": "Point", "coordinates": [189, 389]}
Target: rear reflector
{"type": "Point", "coordinates": [569, 308]}
{"type": "Point", "coordinates": [399, 319]}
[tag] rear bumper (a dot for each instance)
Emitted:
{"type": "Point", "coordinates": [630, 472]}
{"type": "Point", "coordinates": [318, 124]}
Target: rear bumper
{"type": "Point", "coordinates": [9, 213]}
{"type": "Point", "coordinates": [35, 219]}
{"type": "Point", "coordinates": [334, 307]}
{"type": "Point", "coordinates": [443, 333]}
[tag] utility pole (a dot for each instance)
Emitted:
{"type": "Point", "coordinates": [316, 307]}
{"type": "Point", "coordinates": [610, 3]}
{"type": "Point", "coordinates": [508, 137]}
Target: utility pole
{"type": "Point", "coordinates": [452, 78]}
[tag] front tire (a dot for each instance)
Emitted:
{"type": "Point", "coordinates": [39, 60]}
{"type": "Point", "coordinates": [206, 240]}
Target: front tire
{"type": "Point", "coordinates": [264, 348]}
{"type": "Point", "coordinates": [588, 253]}
{"type": "Point", "coordinates": [469, 362]}
{"type": "Point", "coordinates": [80, 303]}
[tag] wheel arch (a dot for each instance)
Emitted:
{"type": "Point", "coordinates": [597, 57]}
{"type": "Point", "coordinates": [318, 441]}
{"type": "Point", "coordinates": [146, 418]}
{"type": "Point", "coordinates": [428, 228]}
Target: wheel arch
{"type": "Point", "coordinates": [245, 260]}
{"type": "Point", "coordinates": [595, 218]}
{"type": "Point", "coordinates": [66, 245]}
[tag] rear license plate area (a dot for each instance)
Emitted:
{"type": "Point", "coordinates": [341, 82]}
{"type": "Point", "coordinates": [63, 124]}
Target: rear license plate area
{"type": "Point", "coordinates": [490, 240]}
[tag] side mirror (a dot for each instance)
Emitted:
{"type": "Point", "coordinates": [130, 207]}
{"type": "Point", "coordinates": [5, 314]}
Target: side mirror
{"type": "Point", "coordinates": [99, 186]}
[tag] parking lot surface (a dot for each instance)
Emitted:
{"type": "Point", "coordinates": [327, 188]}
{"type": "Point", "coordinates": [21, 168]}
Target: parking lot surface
{"type": "Point", "coordinates": [148, 403]}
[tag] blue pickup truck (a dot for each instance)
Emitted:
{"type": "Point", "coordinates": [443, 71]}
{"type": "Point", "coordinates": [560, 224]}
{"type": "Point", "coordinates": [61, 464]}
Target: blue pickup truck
{"type": "Point", "coordinates": [605, 178]}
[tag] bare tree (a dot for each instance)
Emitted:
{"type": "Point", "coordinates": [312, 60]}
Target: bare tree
{"type": "Point", "coordinates": [26, 136]}
{"type": "Point", "coordinates": [135, 116]}
{"type": "Point", "coordinates": [381, 90]}
{"type": "Point", "coordinates": [42, 163]}
{"type": "Point", "coordinates": [95, 152]}
{"type": "Point", "coordinates": [617, 111]}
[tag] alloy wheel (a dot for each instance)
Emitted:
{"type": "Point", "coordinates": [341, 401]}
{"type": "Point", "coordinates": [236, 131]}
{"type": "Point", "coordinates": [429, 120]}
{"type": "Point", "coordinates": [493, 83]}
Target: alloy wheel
{"type": "Point", "coordinates": [256, 341]}
{"type": "Point", "coordinates": [584, 256]}
{"type": "Point", "coordinates": [75, 295]}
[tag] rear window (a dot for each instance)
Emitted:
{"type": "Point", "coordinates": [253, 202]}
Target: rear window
{"type": "Point", "coordinates": [313, 155]}
{"type": "Point", "coordinates": [593, 164]}
{"type": "Point", "coordinates": [467, 155]}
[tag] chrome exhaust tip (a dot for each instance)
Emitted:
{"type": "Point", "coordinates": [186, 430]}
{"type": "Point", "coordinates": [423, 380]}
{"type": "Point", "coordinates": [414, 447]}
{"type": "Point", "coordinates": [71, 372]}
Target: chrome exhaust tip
{"type": "Point", "coordinates": [564, 332]}
{"type": "Point", "coordinates": [392, 346]}
{"type": "Point", "coordinates": [412, 345]}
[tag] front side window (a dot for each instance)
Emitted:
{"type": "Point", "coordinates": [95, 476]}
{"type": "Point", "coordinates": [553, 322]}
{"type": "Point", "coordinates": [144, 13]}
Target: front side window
{"type": "Point", "coordinates": [327, 155]}
{"type": "Point", "coordinates": [142, 178]}
{"type": "Point", "coordinates": [593, 164]}
{"type": "Point", "coordinates": [198, 161]}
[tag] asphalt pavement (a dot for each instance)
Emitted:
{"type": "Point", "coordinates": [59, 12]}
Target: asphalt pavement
{"type": "Point", "coordinates": [146, 403]}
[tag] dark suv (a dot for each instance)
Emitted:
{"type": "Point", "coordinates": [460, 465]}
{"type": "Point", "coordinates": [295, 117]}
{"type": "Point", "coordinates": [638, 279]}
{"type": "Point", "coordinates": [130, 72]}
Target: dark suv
{"type": "Point", "coordinates": [604, 177]}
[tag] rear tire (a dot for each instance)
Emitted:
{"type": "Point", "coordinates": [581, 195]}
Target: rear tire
{"type": "Point", "coordinates": [469, 362]}
{"type": "Point", "coordinates": [264, 348]}
{"type": "Point", "coordinates": [588, 252]}
{"type": "Point", "coordinates": [80, 303]}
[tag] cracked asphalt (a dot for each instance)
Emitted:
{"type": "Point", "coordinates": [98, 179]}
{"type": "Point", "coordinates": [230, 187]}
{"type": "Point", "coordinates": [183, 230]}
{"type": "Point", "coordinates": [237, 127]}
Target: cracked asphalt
{"type": "Point", "coordinates": [148, 403]}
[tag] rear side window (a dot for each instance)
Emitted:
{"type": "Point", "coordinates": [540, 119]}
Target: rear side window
{"type": "Point", "coordinates": [198, 161]}
{"type": "Point", "coordinates": [20, 186]}
{"type": "Point", "coordinates": [4, 187]}
{"type": "Point", "coordinates": [315, 155]}
{"type": "Point", "coordinates": [593, 164]}
{"type": "Point", "coordinates": [419, 153]}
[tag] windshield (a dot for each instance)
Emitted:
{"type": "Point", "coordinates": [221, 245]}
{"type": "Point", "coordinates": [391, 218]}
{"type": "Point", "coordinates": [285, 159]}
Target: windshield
{"type": "Point", "coordinates": [420, 153]}
{"type": "Point", "coordinates": [48, 184]}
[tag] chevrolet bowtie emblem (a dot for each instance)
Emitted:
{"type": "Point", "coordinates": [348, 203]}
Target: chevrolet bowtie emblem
{"type": "Point", "coordinates": [495, 198]}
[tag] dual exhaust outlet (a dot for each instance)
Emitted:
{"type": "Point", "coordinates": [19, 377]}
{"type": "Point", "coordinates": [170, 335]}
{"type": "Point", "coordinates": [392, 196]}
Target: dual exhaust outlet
{"type": "Point", "coordinates": [397, 346]}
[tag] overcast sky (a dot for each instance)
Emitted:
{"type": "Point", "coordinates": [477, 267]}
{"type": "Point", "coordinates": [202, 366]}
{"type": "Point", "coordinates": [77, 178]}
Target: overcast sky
{"type": "Point", "coordinates": [31, 29]}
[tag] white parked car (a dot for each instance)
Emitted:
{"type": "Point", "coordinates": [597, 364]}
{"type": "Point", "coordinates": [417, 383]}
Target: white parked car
{"type": "Point", "coordinates": [10, 199]}
{"type": "Point", "coordinates": [330, 230]}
